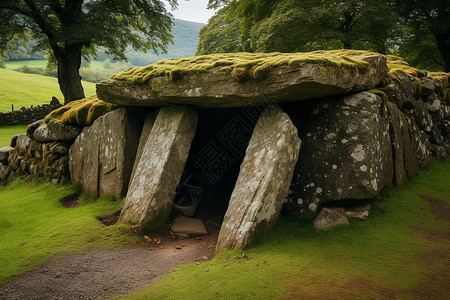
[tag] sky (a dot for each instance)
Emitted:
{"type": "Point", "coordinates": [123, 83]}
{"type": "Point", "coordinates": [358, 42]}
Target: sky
{"type": "Point", "coordinates": [192, 10]}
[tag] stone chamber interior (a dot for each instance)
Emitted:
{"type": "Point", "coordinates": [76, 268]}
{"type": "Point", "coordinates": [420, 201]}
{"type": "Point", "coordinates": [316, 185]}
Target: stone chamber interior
{"type": "Point", "coordinates": [213, 164]}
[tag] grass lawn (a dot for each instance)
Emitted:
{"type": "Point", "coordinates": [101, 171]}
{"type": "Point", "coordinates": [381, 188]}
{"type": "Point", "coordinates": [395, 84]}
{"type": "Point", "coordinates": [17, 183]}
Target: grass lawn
{"type": "Point", "coordinates": [43, 64]}
{"type": "Point", "coordinates": [34, 226]}
{"type": "Point", "coordinates": [6, 132]}
{"type": "Point", "coordinates": [401, 251]}
{"type": "Point", "coordinates": [23, 89]}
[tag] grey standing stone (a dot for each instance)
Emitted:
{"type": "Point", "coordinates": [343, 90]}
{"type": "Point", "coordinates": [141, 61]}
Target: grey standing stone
{"type": "Point", "coordinates": [148, 125]}
{"type": "Point", "coordinates": [152, 189]}
{"type": "Point", "coordinates": [263, 182]}
{"type": "Point", "coordinates": [346, 154]}
{"type": "Point", "coordinates": [403, 147]}
{"type": "Point", "coordinates": [102, 156]}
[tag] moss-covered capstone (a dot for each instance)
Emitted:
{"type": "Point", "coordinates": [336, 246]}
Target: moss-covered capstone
{"type": "Point", "coordinates": [237, 79]}
{"type": "Point", "coordinates": [80, 112]}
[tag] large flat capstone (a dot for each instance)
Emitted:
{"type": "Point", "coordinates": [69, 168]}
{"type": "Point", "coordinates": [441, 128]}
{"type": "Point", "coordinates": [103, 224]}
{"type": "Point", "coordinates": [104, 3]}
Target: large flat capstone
{"type": "Point", "coordinates": [346, 155]}
{"type": "Point", "coordinates": [158, 172]}
{"type": "Point", "coordinates": [263, 182]}
{"type": "Point", "coordinates": [236, 79]}
{"type": "Point", "coordinates": [102, 156]}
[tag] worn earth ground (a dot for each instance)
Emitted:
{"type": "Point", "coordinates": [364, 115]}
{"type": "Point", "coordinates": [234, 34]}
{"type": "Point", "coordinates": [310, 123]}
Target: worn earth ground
{"type": "Point", "coordinates": [105, 273]}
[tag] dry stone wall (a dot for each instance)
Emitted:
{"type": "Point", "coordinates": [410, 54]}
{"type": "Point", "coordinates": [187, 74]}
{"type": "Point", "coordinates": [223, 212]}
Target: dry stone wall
{"type": "Point", "coordinates": [25, 116]}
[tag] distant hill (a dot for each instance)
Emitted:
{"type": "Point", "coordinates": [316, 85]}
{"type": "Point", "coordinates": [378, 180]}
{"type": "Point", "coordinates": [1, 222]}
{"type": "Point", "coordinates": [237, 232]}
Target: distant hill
{"type": "Point", "coordinates": [185, 35]}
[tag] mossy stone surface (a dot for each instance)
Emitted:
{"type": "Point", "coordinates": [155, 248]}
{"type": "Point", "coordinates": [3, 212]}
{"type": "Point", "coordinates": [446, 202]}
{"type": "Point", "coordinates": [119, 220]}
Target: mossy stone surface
{"type": "Point", "coordinates": [237, 79]}
{"type": "Point", "coordinates": [80, 112]}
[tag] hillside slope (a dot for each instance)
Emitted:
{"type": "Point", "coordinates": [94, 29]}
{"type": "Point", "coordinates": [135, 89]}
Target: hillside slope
{"type": "Point", "coordinates": [28, 89]}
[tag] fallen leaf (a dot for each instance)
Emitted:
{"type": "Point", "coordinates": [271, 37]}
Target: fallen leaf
{"type": "Point", "coordinates": [178, 247]}
{"type": "Point", "coordinates": [147, 239]}
{"type": "Point", "coordinates": [198, 238]}
{"type": "Point", "coordinates": [160, 246]}
{"type": "Point", "coordinates": [256, 264]}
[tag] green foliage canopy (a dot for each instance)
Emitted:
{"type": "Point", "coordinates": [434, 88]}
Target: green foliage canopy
{"type": "Point", "coordinates": [293, 25]}
{"type": "Point", "coordinates": [70, 28]}
{"type": "Point", "coordinates": [419, 30]}
{"type": "Point", "coordinates": [426, 39]}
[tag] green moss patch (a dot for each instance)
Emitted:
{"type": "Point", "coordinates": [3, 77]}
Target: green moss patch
{"type": "Point", "coordinates": [242, 66]}
{"type": "Point", "coordinates": [81, 112]}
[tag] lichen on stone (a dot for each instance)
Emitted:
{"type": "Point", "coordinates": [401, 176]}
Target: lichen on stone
{"type": "Point", "coordinates": [80, 112]}
{"type": "Point", "coordinates": [242, 66]}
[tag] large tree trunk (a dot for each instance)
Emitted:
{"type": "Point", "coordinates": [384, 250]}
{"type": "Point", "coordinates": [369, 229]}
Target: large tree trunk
{"type": "Point", "coordinates": [69, 79]}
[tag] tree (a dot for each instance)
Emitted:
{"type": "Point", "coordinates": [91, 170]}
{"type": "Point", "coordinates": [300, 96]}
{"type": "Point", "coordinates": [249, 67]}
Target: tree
{"type": "Point", "coordinates": [304, 25]}
{"type": "Point", "coordinates": [72, 28]}
{"type": "Point", "coordinates": [427, 25]}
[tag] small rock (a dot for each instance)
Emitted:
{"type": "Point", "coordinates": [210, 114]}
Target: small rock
{"type": "Point", "coordinates": [56, 131]}
{"type": "Point", "coordinates": [4, 153]}
{"type": "Point", "coordinates": [329, 218]}
{"type": "Point", "coordinates": [23, 142]}
{"type": "Point", "coordinates": [33, 126]}
{"type": "Point", "coordinates": [14, 140]}
{"type": "Point", "coordinates": [188, 226]}
{"type": "Point", "coordinates": [360, 212]}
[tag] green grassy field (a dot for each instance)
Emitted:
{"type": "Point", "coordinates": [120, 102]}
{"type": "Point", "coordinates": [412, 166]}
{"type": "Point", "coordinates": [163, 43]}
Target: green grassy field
{"type": "Point", "coordinates": [6, 132]}
{"type": "Point", "coordinates": [34, 225]}
{"type": "Point", "coordinates": [42, 64]}
{"type": "Point", "coordinates": [399, 252]}
{"type": "Point", "coordinates": [28, 89]}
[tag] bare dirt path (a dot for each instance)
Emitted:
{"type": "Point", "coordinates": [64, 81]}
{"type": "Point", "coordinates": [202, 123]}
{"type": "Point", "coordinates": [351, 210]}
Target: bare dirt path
{"type": "Point", "coordinates": [105, 273]}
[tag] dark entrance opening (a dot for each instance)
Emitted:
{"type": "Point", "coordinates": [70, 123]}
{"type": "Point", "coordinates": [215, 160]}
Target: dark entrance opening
{"type": "Point", "coordinates": [214, 160]}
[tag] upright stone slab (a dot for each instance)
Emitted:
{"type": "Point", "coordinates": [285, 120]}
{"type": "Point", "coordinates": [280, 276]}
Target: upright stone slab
{"type": "Point", "coordinates": [263, 182]}
{"type": "Point", "coordinates": [403, 147]}
{"type": "Point", "coordinates": [159, 170]}
{"type": "Point", "coordinates": [148, 125]}
{"type": "Point", "coordinates": [102, 156]}
{"type": "Point", "coordinates": [346, 155]}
